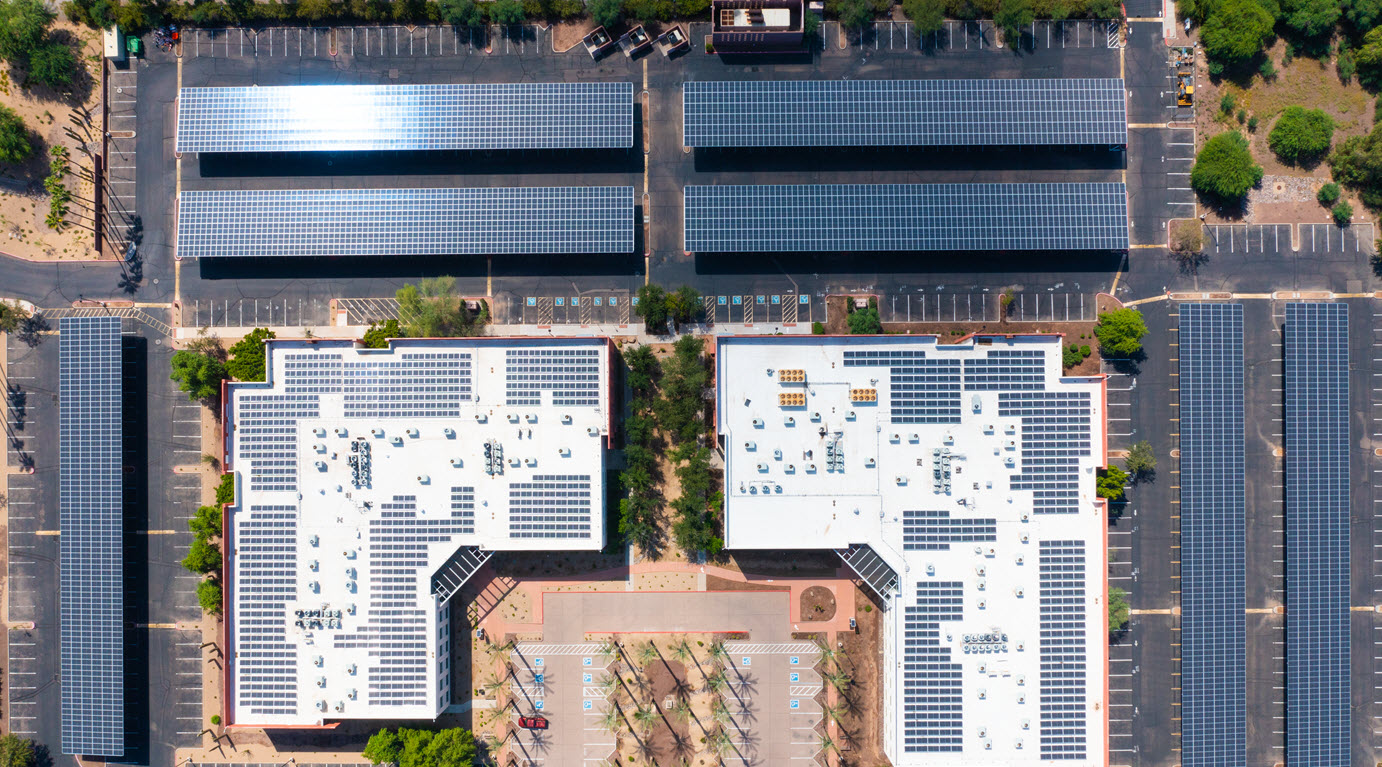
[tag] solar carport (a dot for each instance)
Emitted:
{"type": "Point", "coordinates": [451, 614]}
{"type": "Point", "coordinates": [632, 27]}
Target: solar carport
{"type": "Point", "coordinates": [905, 217]}
{"type": "Point", "coordinates": [418, 118]}
{"type": "Point", "coordinates": [405, 222]}
{"type": "Point", "coordinates": [90, 506]}
{"type": "Point", "coordinates": [904, 113]}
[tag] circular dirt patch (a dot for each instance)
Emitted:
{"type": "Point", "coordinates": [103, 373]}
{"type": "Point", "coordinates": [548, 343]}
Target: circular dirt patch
{"type": "Point", "coordinates": [817, 604]}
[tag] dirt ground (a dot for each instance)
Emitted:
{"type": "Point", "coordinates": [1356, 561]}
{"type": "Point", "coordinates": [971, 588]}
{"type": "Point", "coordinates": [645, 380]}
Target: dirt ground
{"type": "Point", "coordinates": [670, 739]}
{"type": "Point", "coordinates": [862, 721]}
{"type": "Point", "coordinates": [23, 201]}
{"type": "Point", "coordinates": [817, 604]}
{"type": "Point", "coordinates": [1306, 82]}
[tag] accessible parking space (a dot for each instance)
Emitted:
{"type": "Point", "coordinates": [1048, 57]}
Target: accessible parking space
{"type": "Point", "coordinates": [607, 309]}
{"type": "Point", "coordinates": [761, 308]}
{"type": "Point", "coordinates": [772, 702]}
{"type": "Point", "coordinates": [559, 683]}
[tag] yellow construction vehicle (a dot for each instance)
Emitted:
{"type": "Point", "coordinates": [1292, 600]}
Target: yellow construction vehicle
{"type": "Point", "coordinates": [1185, 92]}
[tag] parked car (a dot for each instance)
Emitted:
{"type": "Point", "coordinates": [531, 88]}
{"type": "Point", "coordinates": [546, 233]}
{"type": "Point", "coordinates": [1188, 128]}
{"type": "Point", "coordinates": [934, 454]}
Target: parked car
{"type": "Point", "coordinates": [532, 722]}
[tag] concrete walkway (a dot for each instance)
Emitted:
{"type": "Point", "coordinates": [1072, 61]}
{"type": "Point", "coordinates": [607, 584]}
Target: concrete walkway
{"type": "Point", "coordinates": [572, 615]}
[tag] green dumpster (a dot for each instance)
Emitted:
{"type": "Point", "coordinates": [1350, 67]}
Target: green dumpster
{"type": "Point", "coordinates": [134, 46]}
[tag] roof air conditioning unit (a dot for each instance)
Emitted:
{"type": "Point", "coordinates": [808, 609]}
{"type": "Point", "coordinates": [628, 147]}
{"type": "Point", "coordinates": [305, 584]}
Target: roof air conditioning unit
{"type": "Point", "coordinates": [1017, 592]}
{"type": "Point", "coordinates": [810, 468]}
{"type": "Point", "coordinates": [348, 553]}
{"type": "Point", "coordinates": [449, 432]}
{"type": "Point", "coordinates": [816, 416]}
{"type": "Point", "coordinates": [791, 468]}
{"type": "Point", "coordinates": [351, 694]}
{"type": "Point", "coordinates": [376, 431]}
{"type": "Point", "coordinates": [901, 480]}
{"type": "Point", "coordinates": [762, 467]}
{"type": "Point", "coordinates": [983, 694]}
{"type": "Point", "coordinates": [591, 431]}
{"type": "Point", "coordinates": [319, 431]}
{"type": "Point", "coordinates": [320, 447]}
{"type": "Point", "coordinates": [413, 433]}
{"type": "Point", "coordinates": [397, 440]}
{"type": "Point", "coordinates": [849, 416]}
{"type": "Point", "coordinates": [321, 681]}
{"type": "Point", "coordinates": [532, 418]}
{"type": "Point", "coordinates": [319, 660]}
{"type": "Point", "coordinates": [566, 418]}
{"type": "Point", "coordinates": [321, 705]}
{"type": "Point", "coordinates": [424, 479]}
{"type": "Point", "coordinates": [789, 421]}
{"type": "Point", "coordinates": [758, 423]}
{"type": "Point", "coordinates": [340, 705]}
{"type": "Point", "coordinates": [481, 418]}
{"type": "Point", "coordinates": [513, 417]}
{"type": "Point", "coordinates": [1021, 680]}
{"type": "Point", "coordinates": [457, 463]}
{"type": "Point", "coordinates": [321, 465]}
{"type": "Point", "coordinates": [530, 462]}
{"type": "Point", "coordinates": [1026, 724]}
{"type": "Point", "coordinates": [750, 445]}
{"type": "Point", "coordinates": [341, 431]}
{"type": "Point", "coordinates": [564, 452]}
{"type": "Point", "coordinates": [313, 540]}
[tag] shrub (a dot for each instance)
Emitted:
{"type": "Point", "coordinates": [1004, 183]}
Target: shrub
{"type": "Point", "coordinates": [1236, 31]}
{"type": "Point", "coordinates": [225, 492]}
{"type": "Point", "coordinates": [379, 333]}
{"type": "Point", "coordinates": [1301, 135]}
{"type": "Point", "coordinates": [1073, 355]}
{"type": "Point", "coordinates": [1187, 236]}
{"type": "Point", "coordinates": [865, 321]}
{"type": "Point", "coordinates": [1110, 483]}
{"type": "Point", "coordinates": [1227, 103]}
{"type": "Point", "coordinates": [215, 718]}
{"type": "Point", "coordinates": [15, 146]}
{"type": "Point", "coordinates": [247, 356]}
{"type": "Point", "coordinates": [1342, 212]}
{"type": "Point", "coordinates": [1224, 168]}
{"type": "Point", "coordinates": [1347, 66]}
{"type": "Point", "coordinates": [52, 64]}
{"type": "Point", "coordinates": [817, 329]}
{"type": "Point", "coordinates": [1252, 124]}
{"type": "Point", "coordinates": [1117, 609]}
{"type": "Point", "coordinates": [1267, 70]}
{"type": "Point", "coordinates": [211, 601]}
{"type": "Point", "coordinates": [1328, 194]}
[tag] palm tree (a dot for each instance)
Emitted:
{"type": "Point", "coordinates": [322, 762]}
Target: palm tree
{"type": "Point", "coordinates": [680, 710]}
{"type": "Point", "coordinates": [682, 651]}
{"type": "Point", "coordinates": [608, 648]}
{"type": "Point", "coordinates": [720, 743]}
{"type": "Point", "coordinates": [833, 712]}
{"type": "Point", "coordinates": [719, 711]}
{"type": "Point", "coordinates": [645, 717]}
{"type": "Point", "coordinates": [609, 685]}
{"type": "Point", "coordinates": [647, 653]}
{"type": "Point", "coordinates": [718, 653]}
{"type": "Point", "coordinates": [828, 747]}
{"type": "Point", "coordinates": [716, 682]}
{"type": "Point", "coordinates": [840, 681]}
{"type": "Point", "coordinates": [827, 652]}
{"type": "Point", "coordinates": [612, 720]}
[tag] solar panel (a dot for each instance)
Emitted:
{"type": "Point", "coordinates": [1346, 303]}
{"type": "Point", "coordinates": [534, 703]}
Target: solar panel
{"type": "Point", "coordinates": [1213, 662]}
{"type": "Point", "coordinates": [1317, 535]}
{"type": "Point", "coordinates": [405, 222]}
{"type": "Point", "coordinates": [905, 217]}
{"type": "Point", "coordinates": [354, 118]}
{"type": "Point", "coordinates": [858, 113]}
{"type": "Point", "coordinates": [90, 502]}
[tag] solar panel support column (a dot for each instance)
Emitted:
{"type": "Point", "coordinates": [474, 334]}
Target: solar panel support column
{"type": "Point", "coordinates": [91, 565]}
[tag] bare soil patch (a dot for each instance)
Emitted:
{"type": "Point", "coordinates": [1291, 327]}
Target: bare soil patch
{"type": "Point", "coordinates": [23, 201]}
{"type": "Point", "coordinates": [862, 724]}
{"type": "Point", "coordinates": [569, 34]}
{"type": "Point", "coordinates": [817, 604]}
{"type": "Point", "coordinates": [716, 583]}
{"type": "Point", "coordinates": [669, 739]}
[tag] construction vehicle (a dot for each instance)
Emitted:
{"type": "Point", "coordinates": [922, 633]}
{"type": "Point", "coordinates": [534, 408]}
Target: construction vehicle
{"type": "Point", "coordinates": [1185, 92]}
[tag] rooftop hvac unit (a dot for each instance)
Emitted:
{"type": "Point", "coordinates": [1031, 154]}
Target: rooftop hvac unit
{"type": "Point", "coordinates": [530, 462]}
{"type": "Point", "coordinates": [758, 423]}
{"type": "Point", "coordinates": [397, 440]}
{"type": "Point", "coordinates": [791, 468]}
{"type": "Point", "coordinates": [750, 445]}
{"type": "Point", "coordinates": [914, 437]}
{"type": "Point", "coordinates": [983, 604]}
{"type": "Point", "coordinates": [1023, 538]}
{"type": "Point", "coordinates": [849, 416]}
{"type": "Point", "coordinates": [413, 433]}
{"type": "Point", "coordinates": [350, 586]}
{"type": "Point", "coordinates": [1021, 646]}
{"type": "Point", "coordinates": [978, 404]}
{"type": "Point", "coordinates": [351, 694]}
{"type": "Point", "coordinates": [1017, 744]}
{"type": "Point", "coordinates": [313, 565]}
{"type": "Point", "coordinates": [1009, 429]}
{"type": "Point", "coordinates": [532, 418]}
{"type": "Point", "coordinates": [983, 694]}
{"type": "Point", "coordinates": [564, 452]}
{"type": "Point", "coordinates": [566, 419]}
{"type": "Point", "coordinates": [316, 587]}
{"type": "Point", "coordinates": [321, 681]}
{"type": "Point", "coordinates": [457, 463]}
{"type": "Point", "coordinates": [789, 421]}
{"type": "Point", "coordinates": [423, 479]}
{"type": "Point", "coordinates": [340, 705]}
{"type": "Point", "coordinates": [376, 431]}
{"type": "Point", "coordinates": [481, 418]}
{"type": "Point", "coordinates": [1017, 592]}
{"type": "Point", "coordinates": [449, 432]}
{"type": "Point", "coordinates": [901, 480]}
{"type": "Point", "coordinates": [591, 431]}
{"type": "Point", "coordinates": [988, 428]}
{"type": "Point", "coordinates": [321, 705]}
{"type": "Point", "coordinates": [895, 437]}
{"type": "Point", "coordinates": [777, 454]}
{"type": "Point", "coordinates": [313, 540]}
{"type": "Point", "coordinates": [350, 573]}
{"type": "Point", "coordinates": [1021, 698]}
{"type": "Point", "coordinates": [988, 744]}
{"type": "Point", "coordinates": [983, 584]}
{"type": "Point", "coordinates": [341, 431]}
{"type": "Point", "coordinates": [319, 431]}
{"type": "Point", "coordinates": [348, 553]}
{"type": "Point", "coordinates": [318, 660]}
{"type": "Point", "coordinates": [979, 570]}
{"type": "Point", "coordinates": [1026, 724]}
{"type": "Point", "coordinates": [321, 465]}
{"type": "Point", "coordinates": [513, 417]}
{"type": "Point", "coordinates": [816, 416]}
{"type": "Point", "coordinates": [1018, 559]}
{"type": "Point", "coordinates": [762, 467]}
{"type": "Point", "coordinates": [350, 610]}
{"type": "Point", "coordinates": [810, 468]}
{"type": "Point", "coordinates": [1022, 681]}
{"type": "Point", "coordinates": [870, 462]}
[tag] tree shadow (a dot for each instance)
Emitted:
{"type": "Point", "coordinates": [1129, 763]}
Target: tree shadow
{"type": "Point", "coordinates": [1189, 263]}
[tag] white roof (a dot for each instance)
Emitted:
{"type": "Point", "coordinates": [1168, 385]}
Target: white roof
{"type": "Point", "coordinates": [360, 473]}
{"type": "Point", "coordinates": [970, 470]}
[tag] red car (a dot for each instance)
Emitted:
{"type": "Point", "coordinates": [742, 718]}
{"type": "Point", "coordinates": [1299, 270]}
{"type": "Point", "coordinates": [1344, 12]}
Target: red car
{"type": "Point", "coordinates": [532, 722]}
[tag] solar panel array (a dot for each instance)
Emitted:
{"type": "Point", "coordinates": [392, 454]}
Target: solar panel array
{"type": "Point", "coordinates": [1213, 546]}
{"type": "Point", "coordinates": [91, 517]}
{"type": "Point", "coordinates": [346, 118]}
{"type": "Point", "coordinates": [905, 217]}
{"type": "Point", "coordinates": [1063, 668]}
{"type": "Point", "coordinates": [859, 113]}
{"type": "Point", "coordinates": [932, 709]}
{"type": "Point", "coordinates": [1317, 535]}
{"type": "Point", "coordinates": [405, 222]}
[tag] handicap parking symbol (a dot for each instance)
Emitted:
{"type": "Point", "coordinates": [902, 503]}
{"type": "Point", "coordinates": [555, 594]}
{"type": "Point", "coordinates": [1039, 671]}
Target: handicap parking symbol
{"type": "Point", "coordinates": [634, 300]}
{"type": "Point", "coordinates": [795, 704]}
{"type": "Point", "coordinates": [561, 302]}
{"type": "Point", "coordinates": [804, 300]}
{"type": "Point", "coordinates": [537, 679]}
{"type": "Point", "coordinates": [761, 300]}
{"type": "Point", "coordinates": [537, 662]}
{"type": "Point", "coordinates": [796, 660]}
{"type": "Point", "coordinates": [587, 705]}
{"type": "Point", "coordinates": [796, 677]}
{"type": "Point", "coordinates": [590, 678]}
{"type": "Point", "coordinates": [613, 301]}
{"type": "Point", "coordinates": [599, 301]}
{"type": "Point", "coordinates": [576, 301]}
{"type": "Point", "coordinates": [747, 661]}
{"type": "Point", "coordinates": [777, 299]}
{"type": "Point", "coordinates": [537, 704]}
{"type": "Point", "coordinates": [586, 662]}
{"type": "Point", "coordinates": [532, 301]}
{"type": "Point", "coordinates": [721, 300]}
{"type": "Point", "coordinates": [738, 300]}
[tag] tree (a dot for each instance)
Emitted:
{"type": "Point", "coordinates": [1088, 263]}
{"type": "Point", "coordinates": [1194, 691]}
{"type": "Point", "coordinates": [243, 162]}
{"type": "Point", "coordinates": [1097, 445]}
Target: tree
{"type": "Point", "coordinates": [199, 375]}
{"type": "Point", "coordinates": [643, 369]}
{"type": "Point", "coordinates": [202, 557]}
{"type": "Point", "coordinates": [606, 13]}
{"type": "Point", "coordinates": [684, 379]}
{"type": "Point", "coordinates": [1117, 609]}
{"type": "Point", "coordinates": [1141, 461]}
{"type": "Point", "coordinates": [865, 321]}
{"type": "Point", "coordinates": [209, 596]}
{"type": "Point", "coordinates": [52, 64]}
{"type": "Point", "coordinates": [1358, 164]}
{"type": "Point", "coordinates": [1328, 194]}
{"type": "Point", "coordinates": [15, 146]}
{"type": "Point", "coordinates": [23, 26]}
{"type": "Point", "coordinates": [645, 717]}
{"type": "Point", "coordinates": [684, 305]}
{"type": "Point", "coordinates": [206, 523]}
{"type": "Point", "coordinates": [927, 15]}
{"type": "Point", "coordinates": [506, 12]}
{"type": "Point", "coordinates": [1342, 213]}
{"type": "Point", "coordinates": [1110, 483]}
{"type": "Point", "coordinates": [316, 10]}
{"type": "Point", "coordinates": [247, 358]}
{"type": "Point", "coordinates": [652, 307]}
{"type": "Point", "coordinates": [379, 333]}
{"type": "Point", "coordinates": [462, 13]}
{"type": "Point", "coordinates": [1013, 16]}
{"type": "Point", "coordinates": [12, 317]}
{"type": "Point", "coordinates": [16, 751]}
{"type": "Point", "coordinates": [1236, 32]}
{"type": "Point", "coordinates": [1187, 236]}
{"type": "Point", "coordinates": [648, 11]}
{"type": "Point", "coordinates": [1301, 135]}
{"type": "Point", "coordinates": [1311, 18]}
{"type": "Point", "coordinates": [1120, 332]}
{"type": "Point", "coordinates": [422, 748]}
{"type": "Point", "coordinates": [855, 14]}
{"type": "Point", "coordinates": [1224, 168]}
{"type": "Point", "coordinates": [225, 492]}
{"type": "Point", "coordinates": [431, 309]}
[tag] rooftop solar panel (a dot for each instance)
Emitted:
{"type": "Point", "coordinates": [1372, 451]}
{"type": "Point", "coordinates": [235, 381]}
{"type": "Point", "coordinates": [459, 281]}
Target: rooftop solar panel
{"type": "Point", "coordinates": [1213, 663]}
{"type": "Point", "coordinates": [905, 217]}
{"type": "Point", "coordinates": [344, 118]}
{"type": "Point", "coordinates": [1317, 535]}
{"type": "Point", "coordinates": [91, 570]}
{"type": "Point", "coordinates": [405, 222]}
{"type": "Point", "coordinates": [949, 113]}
